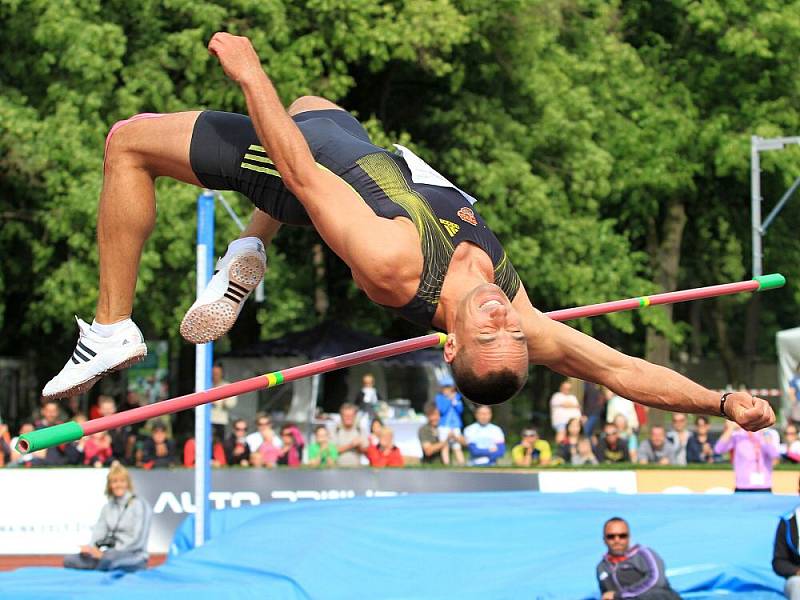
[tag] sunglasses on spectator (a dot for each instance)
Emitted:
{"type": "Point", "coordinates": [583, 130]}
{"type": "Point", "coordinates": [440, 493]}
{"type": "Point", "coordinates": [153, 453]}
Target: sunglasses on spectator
{"type": "Point", "coordinates": [612, 536]}
{"type": "Point", "coordinates": [241, 428]}
{"type": "Point", "coordinates": [264, 423]}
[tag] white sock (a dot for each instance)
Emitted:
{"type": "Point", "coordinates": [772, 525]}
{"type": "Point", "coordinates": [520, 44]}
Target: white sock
{"type": "Point", "coordinates": [244, 244]}
{"type": "Point", "coordinates": [104, 330]}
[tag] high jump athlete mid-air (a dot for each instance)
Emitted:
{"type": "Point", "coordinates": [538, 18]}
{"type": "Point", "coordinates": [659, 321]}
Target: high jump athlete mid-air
{"type": "Point", "coordinates": [413, 241]}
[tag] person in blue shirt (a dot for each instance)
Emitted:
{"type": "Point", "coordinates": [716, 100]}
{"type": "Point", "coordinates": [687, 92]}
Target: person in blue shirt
{"type": "Point", "coordinates": [451, 407]}
{"type": "Point", "coordinates": [794, 394]}
{"type": "Point", "coordinates": [485, 440]}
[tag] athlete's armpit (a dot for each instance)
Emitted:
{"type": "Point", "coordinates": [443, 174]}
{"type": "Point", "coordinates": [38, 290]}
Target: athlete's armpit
{"type": "Point", "coordinates": [383, 253]}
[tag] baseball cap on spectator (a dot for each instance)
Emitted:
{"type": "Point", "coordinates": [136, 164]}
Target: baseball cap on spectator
{"type": "Point", "coordinates": [529, 432]}
{"type": "Point", "coordinates": [446, 381]}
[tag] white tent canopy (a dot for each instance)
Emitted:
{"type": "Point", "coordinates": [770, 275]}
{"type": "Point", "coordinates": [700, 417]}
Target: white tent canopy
{"type": "Point", "coordinates": [788, 343]}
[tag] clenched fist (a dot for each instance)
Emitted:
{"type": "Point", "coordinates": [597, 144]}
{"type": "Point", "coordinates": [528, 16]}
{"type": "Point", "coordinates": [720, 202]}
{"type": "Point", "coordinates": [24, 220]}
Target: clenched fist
{"type": "Point", "coordinates": [748, 411]}
{"type": "Point", "coordinates": [236, 55]}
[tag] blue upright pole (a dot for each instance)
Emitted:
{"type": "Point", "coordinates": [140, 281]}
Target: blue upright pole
{"type": "Point", "coordinates": [203, 362]}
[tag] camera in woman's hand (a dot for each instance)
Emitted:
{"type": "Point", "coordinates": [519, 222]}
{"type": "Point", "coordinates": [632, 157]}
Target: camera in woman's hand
{"type": "Point", "coordinates": [106, 543]}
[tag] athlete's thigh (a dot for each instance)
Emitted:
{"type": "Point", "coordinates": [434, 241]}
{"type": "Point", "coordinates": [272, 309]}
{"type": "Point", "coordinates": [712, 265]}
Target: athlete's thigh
{"type": "Point", "coordinates": [226, 154]}
{"type": "Point", "coordinates": [309, 103]}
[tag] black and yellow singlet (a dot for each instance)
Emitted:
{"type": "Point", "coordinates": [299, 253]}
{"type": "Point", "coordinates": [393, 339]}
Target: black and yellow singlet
{"type": "Point", "coordinates": [226, 154]}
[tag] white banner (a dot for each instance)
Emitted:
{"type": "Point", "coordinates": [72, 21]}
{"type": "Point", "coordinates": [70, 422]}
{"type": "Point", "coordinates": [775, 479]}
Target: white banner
{"type": "Point", "coordinates": [621, 482]}
{"type": "Point", "coordinates": [49, 511]}
{"type": "Point", "coordinates": [52, 511]}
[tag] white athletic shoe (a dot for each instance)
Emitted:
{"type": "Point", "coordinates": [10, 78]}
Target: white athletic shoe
{"type": "Point", "coordinates": [216, 310]}
{"type": "Point", "coordinates": [95, 356]}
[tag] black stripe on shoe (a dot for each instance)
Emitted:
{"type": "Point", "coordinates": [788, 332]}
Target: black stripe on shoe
{"type": "Point", "coordinates": [81, 356]}
{"type": "Point", "coordinates": [237, 287]}
{"type": "Point", "coordinates": [88, 351]}
{"type": "Point", "coordinates": [75, 360]}
{"type": "Point", "coordinates": [234, 292]}
{"type": "Point", "coordinates": [234, 298]}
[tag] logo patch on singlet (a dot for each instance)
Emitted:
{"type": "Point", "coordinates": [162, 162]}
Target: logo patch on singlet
{"type": "Point", "coordinates": [466, 214]}
{"type": "Point", "coordinates": [451, 227]}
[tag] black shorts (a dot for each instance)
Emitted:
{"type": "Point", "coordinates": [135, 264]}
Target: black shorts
{"type": "Point", "coordinates": [226, 154]}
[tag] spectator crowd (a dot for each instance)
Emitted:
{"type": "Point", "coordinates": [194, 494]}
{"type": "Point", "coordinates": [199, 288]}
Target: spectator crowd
{"type": "Point", "coordinates": [600, 428]}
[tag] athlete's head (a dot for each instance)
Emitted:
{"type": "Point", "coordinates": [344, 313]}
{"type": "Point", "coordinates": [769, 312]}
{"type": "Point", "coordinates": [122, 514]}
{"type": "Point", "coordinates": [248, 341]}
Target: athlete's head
{"type": "Point", "coordinates": [487, 350]}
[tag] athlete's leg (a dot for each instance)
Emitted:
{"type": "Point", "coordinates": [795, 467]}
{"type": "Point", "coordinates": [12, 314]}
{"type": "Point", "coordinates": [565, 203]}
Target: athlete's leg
{"type": "Point", "coordinates": [136, 153]}
{"type": "Point", "coordinates": [243, 264]}
{"type": "Point", "coordinates": [307, 103]}
{"type": "Point", "coordinates": [263, 226]}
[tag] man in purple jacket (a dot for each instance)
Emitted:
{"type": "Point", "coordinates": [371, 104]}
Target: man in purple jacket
{"type": "Point", "coordinates": [630, 572]}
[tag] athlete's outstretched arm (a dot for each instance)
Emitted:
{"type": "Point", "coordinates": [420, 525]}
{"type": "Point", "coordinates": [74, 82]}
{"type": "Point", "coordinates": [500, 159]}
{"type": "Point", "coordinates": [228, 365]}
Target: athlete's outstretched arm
{"type": "Point", "coordinates": [346, 224]}
{"type": "Point", "coordinates": [575, 354]}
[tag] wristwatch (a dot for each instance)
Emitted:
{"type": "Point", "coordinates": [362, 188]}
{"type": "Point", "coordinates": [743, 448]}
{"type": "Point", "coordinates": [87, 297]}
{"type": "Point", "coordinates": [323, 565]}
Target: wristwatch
{"type": "Point", "coordinates": [722, 404]}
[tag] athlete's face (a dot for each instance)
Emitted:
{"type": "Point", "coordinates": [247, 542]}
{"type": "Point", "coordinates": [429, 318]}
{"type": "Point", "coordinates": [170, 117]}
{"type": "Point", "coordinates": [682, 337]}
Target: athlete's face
{"type": "Point", "coordinates": [489, 329]}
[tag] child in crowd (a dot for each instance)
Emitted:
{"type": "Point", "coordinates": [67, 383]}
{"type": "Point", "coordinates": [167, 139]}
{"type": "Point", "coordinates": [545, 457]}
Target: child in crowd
{"type": "Point", "coordinates": [321, 453]}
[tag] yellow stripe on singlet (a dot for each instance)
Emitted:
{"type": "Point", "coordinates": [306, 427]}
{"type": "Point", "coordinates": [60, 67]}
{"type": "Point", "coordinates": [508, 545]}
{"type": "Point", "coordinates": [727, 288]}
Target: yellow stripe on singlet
{"type": "Point", "coordinates": [437, 248]}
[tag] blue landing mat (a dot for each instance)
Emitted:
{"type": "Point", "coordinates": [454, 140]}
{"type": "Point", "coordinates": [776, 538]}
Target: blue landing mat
{"type": "Point", "coordinates": [461, 546]}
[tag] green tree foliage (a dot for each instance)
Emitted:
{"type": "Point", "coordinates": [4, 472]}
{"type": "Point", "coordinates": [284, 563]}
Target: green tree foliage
{"type": "Point", "coordinates": [606, 140]}
{"type": "Point", "coordinates": [734, 63]}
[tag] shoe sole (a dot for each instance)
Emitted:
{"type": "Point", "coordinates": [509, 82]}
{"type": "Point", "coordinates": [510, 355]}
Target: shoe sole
{"type": "Point", "coordinates": [211, 321]}
{"type": "Point", "coordinates": [87, 385]}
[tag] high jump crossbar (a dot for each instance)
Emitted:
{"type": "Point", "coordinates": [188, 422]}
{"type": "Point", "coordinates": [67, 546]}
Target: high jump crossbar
{"type": "Point", "coordinates": [72, 431]}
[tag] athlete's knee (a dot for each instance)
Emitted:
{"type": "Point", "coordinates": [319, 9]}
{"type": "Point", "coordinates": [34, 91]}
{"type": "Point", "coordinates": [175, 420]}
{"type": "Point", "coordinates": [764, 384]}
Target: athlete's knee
{"type": "Point", "coordinates": [119, 141]}
{"type": "Point", "coordinates": [306, 103]}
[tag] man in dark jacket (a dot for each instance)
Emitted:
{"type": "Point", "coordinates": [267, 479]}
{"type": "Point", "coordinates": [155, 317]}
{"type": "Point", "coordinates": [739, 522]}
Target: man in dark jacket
{"type": "Point", "coordinates": [611, 448]}
{"type": "Point", "coordinates": [158, 450]}
{"type": "Point", "coordinates": [785, 557]}
{"type": "Point", "coordinates": [236, 450]}
{"type": "Point", "coordinates": [630, 572]}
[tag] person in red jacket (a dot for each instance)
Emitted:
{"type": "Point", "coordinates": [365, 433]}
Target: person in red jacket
{"type": "Point", "coordinates": [218, 458]}
{"type": "Point", "coordinates": [385, 453]}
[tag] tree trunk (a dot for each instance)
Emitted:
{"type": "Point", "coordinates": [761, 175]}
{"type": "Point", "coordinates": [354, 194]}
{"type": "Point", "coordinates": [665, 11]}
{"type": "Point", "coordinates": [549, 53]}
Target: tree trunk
{"type": "Point", "coordinates": [751, 338]}
{"type": "Point", "coordinates": [321, 301]}
{"type": "Point", "coordinates": [696, 319]}
{"type": "Point", "coordinates": [726, 353]}
{"type": "Point", "coordinates": [665, 256]}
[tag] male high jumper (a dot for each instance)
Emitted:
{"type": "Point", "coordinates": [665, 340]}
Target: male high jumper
{"type": "Point", "coordinates": [412, 240]}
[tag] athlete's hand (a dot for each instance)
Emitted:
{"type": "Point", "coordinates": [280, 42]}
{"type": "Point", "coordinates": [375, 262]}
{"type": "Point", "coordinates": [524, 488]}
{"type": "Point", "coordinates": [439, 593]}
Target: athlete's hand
{"type": "Point", "coordinates": [748, 411]}
{"type": "Point", "coordinates": [236, 55]}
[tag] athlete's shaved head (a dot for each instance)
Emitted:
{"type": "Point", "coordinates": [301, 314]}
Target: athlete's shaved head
{"type": "Point", "coordinates": [493, 387]}
{"type": "Point", "coordinates": [487, 350]}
